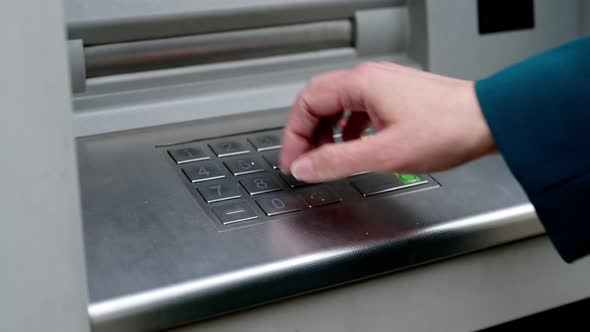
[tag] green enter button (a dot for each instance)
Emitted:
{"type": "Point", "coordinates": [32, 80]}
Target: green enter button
{"type": "Point", "coordinates": [408, 178]}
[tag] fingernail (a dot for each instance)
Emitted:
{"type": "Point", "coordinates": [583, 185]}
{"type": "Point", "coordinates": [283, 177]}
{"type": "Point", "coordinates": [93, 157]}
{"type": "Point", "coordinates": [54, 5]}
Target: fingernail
{"type": "Point", "coordinates": [302, 169]}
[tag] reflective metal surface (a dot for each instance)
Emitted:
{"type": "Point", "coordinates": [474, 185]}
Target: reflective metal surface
{"type": "Point", "coordinates": [113, 21]}
{"type": "Point", "coordinates": [155, 259]}
{"type": "Point", "coordinates": [146, 55]}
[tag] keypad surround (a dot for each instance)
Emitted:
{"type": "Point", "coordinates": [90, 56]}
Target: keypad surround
{"type": "Point", "coordinates": [237, 180]}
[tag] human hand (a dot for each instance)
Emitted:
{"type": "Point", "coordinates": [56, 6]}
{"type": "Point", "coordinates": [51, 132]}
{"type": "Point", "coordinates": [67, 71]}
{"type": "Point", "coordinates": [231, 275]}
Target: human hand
{"type": "Point", "coordinates": [425, 123]}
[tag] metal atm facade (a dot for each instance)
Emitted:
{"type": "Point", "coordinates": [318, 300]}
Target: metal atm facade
{"type": "Point", "coordinates": [161, 88]}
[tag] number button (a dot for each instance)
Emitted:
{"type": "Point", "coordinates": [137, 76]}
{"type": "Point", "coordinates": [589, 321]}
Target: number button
{"type": "Point", "coordinates": [263, 142]}
{"type": "Point", "coordinates": [244, 165]}
{"type": "Point", "coordinates": [319, 196]}
{"type": "Point", "coordinates": [279, 204]}
{"type": "Point", "coordinates": [272, 158]}
{"type": "Point", "coordinates": [203, 172]}
{"type": "Point", "coordinates": [235, 212]}
{"type": "Point", "coordinates": [187, 155]}
{"type": "Point", "coordinates": [217, 191]}
{"type": "Point", "coordinates": [260, 184]}
{"type": "Point", "coordinates": [292, 181]}
{"type": "Point", "coordinates": [229, 148]}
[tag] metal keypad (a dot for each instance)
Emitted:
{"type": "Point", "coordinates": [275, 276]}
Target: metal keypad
{"type": "Point", "coordinates": [237, 179]}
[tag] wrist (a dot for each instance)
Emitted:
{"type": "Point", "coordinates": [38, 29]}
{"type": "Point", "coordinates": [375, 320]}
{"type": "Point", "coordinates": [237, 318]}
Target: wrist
{"type": "Point", "coordinates": [481, 140]}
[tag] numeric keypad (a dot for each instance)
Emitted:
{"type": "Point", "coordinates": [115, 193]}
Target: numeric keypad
{"type": "Point", "coordinates": [238, 178]}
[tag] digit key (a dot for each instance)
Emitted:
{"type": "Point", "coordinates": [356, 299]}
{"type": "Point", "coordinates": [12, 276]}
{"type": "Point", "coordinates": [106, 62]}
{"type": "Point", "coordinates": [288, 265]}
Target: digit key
{"type": "Point", "coordinates": [217, 191]}
{"type": "Point", "coordinates": [229, 148]}
{"type": "Point", "coordinates": [187, 155]}
{"type": "Point", "coordinates": [274, 205]}
{"type": "Point", "coordinates": [204, 172]}
{"type": "Point", "coordinates": [292, 181]}
{"type": "Point", "coordinates": [266, 141]}
{"type": "Point", "coordinates": [244, 165]}
{"type": "Point", "coordinates": [272, 158]}
{"type": "Point", "coordinates": [260, 184]}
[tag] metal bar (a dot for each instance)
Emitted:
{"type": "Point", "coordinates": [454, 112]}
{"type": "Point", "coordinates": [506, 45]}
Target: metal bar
{"type": "Point", "coordinates": [208, 48]}
{"type": "Point", "coordinates": [115, 21]}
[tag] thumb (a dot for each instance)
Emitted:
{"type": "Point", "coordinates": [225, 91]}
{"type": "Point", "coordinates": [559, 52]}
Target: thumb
{"type": "Point", "coordinates": [334, 161]}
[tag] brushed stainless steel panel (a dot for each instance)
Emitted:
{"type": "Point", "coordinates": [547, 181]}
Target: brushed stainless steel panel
{"type": "Point", "coordinates": [111, 21]}
{"type": "Point", "coordinates": [155, 258]}
{"type": "Point", "coordinates": [109, 59]}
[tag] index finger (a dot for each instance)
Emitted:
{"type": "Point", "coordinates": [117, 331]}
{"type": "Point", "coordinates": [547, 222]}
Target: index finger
{"type": "Point", "coordinates": [324, 96]}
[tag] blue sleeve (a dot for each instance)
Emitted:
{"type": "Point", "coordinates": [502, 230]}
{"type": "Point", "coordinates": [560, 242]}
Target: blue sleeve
{"type": "Point", "coordinates": [539, 114]}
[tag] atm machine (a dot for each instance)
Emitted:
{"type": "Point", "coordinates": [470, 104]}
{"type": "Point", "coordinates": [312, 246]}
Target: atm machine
{"type": "Point", "coordinates": [177, 110]}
